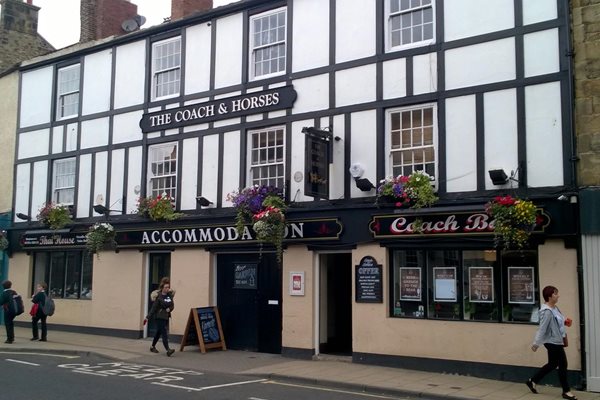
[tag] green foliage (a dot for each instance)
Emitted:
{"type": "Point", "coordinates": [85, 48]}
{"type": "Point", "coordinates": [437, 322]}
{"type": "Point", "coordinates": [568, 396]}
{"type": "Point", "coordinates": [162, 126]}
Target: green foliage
{"type": "Point", "coordinates": [101, 236]}
{"type": "Point", "coordinates": [55, 216]}
{"type": "Point", "coordinates": [513, 220]}
{"type": "Point", "coordinates": [158, 208]}
{"type": "Point", "coordinates": [414, 190]}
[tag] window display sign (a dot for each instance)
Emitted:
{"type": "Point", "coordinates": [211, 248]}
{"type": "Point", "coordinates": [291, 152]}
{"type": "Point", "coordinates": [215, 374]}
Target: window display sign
{"type": "Point", "coordinates": [481, 284]}
{"type": "Point", "coordinates": [410, 284]}
{"type": "Point", "coordinates": [444, 284]}
{"type": "Point", "coordinates": [245, 276]}
{"type": "Point", "coordinates": [297, 283]}
{"type": "Point", "coordinates": [521, 285]}
{"type": "Point", "coordinates": [368, 280]}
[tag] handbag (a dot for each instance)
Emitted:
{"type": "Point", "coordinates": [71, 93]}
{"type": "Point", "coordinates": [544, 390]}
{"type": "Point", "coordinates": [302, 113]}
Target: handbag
{"type": "Point", "coordinates": [34, 309]}
{"type": "Point", "coordinates": [565, 341]}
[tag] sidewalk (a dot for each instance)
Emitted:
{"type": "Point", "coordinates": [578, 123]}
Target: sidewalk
{"type": "Point", "coordinates": [373, 379]}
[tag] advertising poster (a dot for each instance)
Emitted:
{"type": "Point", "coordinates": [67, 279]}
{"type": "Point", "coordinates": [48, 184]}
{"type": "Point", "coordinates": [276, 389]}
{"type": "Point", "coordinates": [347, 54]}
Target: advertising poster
{"type": "Point", "coordinates": [521, 285]}
{"type": "Point", "coordinates": [444, 279]}
{"type": "Point", "coordinates": [410, 284]}
{"type": "Point", "coordinates": [481, 284]}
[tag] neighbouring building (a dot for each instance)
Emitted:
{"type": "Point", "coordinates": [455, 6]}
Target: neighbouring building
{"type": "Point", "coordinates": [322, 99]}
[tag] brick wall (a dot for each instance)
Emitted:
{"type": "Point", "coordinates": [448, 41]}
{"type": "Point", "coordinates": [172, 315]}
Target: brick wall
{"type": "Point", "coordinates": [183, 8]}
{"type": "Point", "coordinates": [103, 18]}
{"type": "Point", "coordinates": [586, 44]}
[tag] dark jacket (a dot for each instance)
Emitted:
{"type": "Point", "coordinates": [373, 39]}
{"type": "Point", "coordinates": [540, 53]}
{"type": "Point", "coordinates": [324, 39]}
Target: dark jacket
{"type": "Point", "coordinates": [40, 300]}
{"type": "Point", "coordinates": [5, 299]}
{"type": "Point", "coordinates": [160, 306]}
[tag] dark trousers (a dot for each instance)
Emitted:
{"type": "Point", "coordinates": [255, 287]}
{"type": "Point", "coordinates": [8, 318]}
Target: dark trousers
{"type": "Point", "coordinates": [557, 358]}
{"type": "Point", "coordinates": [162, 327]}
{"type": "Point", "coordinates": [10, 326]}
{"type": "Point", "coordinates": [34, 325]}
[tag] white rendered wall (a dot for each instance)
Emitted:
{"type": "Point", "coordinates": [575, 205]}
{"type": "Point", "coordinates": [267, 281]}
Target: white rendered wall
{"type": "Point", "coordinates": [130, 74]}
{"type": "Point", "coordinates": [197, 58]}
{"type": "Point", "coordinates": [543, 123]}
{"type": "Point", "coordinates": [487, 63]}
{"type": "Point", "coordinates": [355, 27]}
{"type": "Point", "coordinates": [500, 125]}
{"type": "Point", "coordinates": [228, 55]}
{"type": "Point", "coordinates": [39, 186]}
{"type": "Point", "coordinates": [126, 127]}
{"type": "Point", "coordinates": [34, 143]}
{"type": "Point", "coordinates": [311, 41]}
{"type": "Point", "coordinates": [337, 171]}
{"type": "Point", "coordinates": [394, 78]}
{"type": "Point", "coordinates": [134, 178]}
{"type": "Point", "coordinates": [461, 144]}
{"type": "Point", "coordinates": [231, 164]}
{"type": "Point", "coordinates": [71, 137]}
{"type": "Point", "coordinates": [100, 177]}
{"type": "Point", "coordinates": [57, 139]}
{"type": "Point", "coordinates": [189, 174]}
{"type": "Point", "coordinates": [538, 11]}
{"type": "Point", "coordinates": [355, 85]}
{"type": "Point", "coordinates": [364, 149]}
{"type": "Point", "coordinates": [425, 73]}
{"type": "Point", "coordinates": [541, 52]}
{"type": "Point", "coordinates": [36, 97]}
{"type": "Point", "coordinates": [97, 82]}
{"type": "Point", "coordinates": [84, 185]}
{"type": "Point", "coordinates": [117, 176]}
{"type": "Point", "coordinates": [23, 179]}
{"type": "Point", "coordinates": [466, 18]}
{"type": "Point", "coordinates": [297, 162]}
{"type": "Point", "coordinates": [313, 94]}
{"type": "Point", "coordinates": [94, 133]}
{"type": "Point", "coordinates": [210, 167]}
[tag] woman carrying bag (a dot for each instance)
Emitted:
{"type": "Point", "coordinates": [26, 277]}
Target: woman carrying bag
{"type": "Point", "coordinates": [553, 335]}
{"type": "Point", "coordinates": [161, 311]}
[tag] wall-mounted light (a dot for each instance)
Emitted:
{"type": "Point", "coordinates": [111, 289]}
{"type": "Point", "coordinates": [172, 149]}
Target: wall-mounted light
{"type": "Point", "coordinates": [24, 217]}
{"type": "Point", "coordinates": [357, 170]}
{"type": "Point", "coordinates": [100, 209]}
{"type": "Point", "coordinates": [203, 201]}
{"type": "Point", "coordinates": [498, 176]}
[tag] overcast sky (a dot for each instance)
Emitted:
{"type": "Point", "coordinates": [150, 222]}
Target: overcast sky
{"type": "Point", "coordinates": [58, 20]}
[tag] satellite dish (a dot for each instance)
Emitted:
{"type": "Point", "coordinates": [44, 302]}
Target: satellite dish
{"type": "Point", "coordinates": [140, 19]}
{"type": "Point", "coordinates": [130, 25]}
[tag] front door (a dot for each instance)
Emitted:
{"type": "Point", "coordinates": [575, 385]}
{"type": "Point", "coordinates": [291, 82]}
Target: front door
{"type": "Point", "coordinates": [159, 267]}
{"type": "Point", "coordinates": [249, 301]}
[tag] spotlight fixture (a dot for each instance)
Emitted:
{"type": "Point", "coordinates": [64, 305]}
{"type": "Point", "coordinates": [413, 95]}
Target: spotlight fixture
{"type": "Point", "coordinates": [24, 217]}
{"type": "Point", "coordinates": [498, 176]}
{"type": "Point", "coordinates": [100, 209]}
{"type": "Point", "coordinates": [364, 184]}
{"type": "Point", "coordinates": [203, 201]}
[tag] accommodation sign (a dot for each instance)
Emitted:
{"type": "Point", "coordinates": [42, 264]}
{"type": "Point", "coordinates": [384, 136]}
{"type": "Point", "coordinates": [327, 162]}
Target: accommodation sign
{"type": "Point", "coordinates": [465, 223]}
{"type": "Point", "coordinates": [230, 107]}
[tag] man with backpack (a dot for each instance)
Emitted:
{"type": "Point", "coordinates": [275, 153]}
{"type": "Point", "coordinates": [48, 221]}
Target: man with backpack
{"type": "Point", "coordinates": [9, 301]}
{"type": "Point", "coordinates": [41, 299]}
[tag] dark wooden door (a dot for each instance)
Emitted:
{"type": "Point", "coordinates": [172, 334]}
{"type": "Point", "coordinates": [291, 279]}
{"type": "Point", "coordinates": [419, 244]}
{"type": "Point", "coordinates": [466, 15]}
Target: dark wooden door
{"type": "Point", "coordinates": [160, 266]}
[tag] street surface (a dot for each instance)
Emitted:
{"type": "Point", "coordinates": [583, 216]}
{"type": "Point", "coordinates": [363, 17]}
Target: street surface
{"type": "Point", "coordinates": [41, 376]}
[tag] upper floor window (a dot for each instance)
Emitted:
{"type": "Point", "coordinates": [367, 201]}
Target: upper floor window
{"type": "Point", "coordinates": [267, 157]}
{"type": "Point", "coordinates": [162, 170]}
{"type": "Point", "coordinates": [166, 68]}
{"type": "Point", "coordinates": [63, 181]}
{"type": "Point", "coordinates": [412, 140]}
{"type": "Point", "coordinates": [67, 92]}
{"type": "Point", "coordinates": [409, 22]}
{"type": "Point", "coordinates": [268, 43]}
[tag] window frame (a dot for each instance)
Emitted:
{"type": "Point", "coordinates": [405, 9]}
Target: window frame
{"type": "Point", "coordinates": [155, 73]}
{"type": "Point", "coordinates": [55, 188]}
{"type": "Point", "coordinates": [43, 270]}
{"type": "Point", "coordinates": [172, 190]}
{"type": "Point", "coordinates": [435, 139]}
{"type": "Point", "coordinates": [252, 47]}
{"type": "Point", "coordinates": [388, 32]}
{"type": "Point", "coordinates": [60, 95]}
{"type": "Point", "coordinates": [250, 167]}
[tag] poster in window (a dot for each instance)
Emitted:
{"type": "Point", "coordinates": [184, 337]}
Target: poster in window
{"type": "Point", "coordinates": [521, 285]}
{"type": "Point", "coordinates": [410, 284]}
{"type": "Point", "coordinates": [297, 283]}
{"type": "Point", "coordinates": [481, 284]}
{"type": "Point", "coordinates": [444, 284]}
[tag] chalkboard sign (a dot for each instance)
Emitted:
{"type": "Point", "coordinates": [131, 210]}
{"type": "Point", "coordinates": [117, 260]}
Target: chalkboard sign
{"type": "Point", "coordinates": [205, 323]}
{"type": "Point", "coordinates": [245, 276]}
{"type": "Point", "coordinates": [368, 281]}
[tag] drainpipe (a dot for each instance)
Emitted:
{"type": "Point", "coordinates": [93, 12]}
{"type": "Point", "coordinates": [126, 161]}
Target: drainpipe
{"type": "Point", "coordinates": [4, 224]}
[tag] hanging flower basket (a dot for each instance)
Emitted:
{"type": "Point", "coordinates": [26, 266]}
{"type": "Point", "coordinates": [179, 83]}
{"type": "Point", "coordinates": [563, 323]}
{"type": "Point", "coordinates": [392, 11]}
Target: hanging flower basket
{"type": "Point", "coordinates": [158, 208]}
{"type": "Point", "coordinates": [101, 236]}
{"type": "Point", "coordinates": [414, 190]}
{"type": "Point", "coordinates": [264, 208]}
{"type": "Point", "coordinates": [55, 216]}
{"type": "Point", "coordinates": [513, 220]}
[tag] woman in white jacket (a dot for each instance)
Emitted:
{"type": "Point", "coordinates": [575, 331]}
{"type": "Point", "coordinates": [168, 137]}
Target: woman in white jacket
{"type": "Point", "coordinates": [552, 334]}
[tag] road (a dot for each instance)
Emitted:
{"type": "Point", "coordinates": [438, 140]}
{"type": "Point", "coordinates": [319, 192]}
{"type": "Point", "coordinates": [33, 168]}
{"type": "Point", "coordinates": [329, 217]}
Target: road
{"type": "Point", "coordinates": [41, 376]}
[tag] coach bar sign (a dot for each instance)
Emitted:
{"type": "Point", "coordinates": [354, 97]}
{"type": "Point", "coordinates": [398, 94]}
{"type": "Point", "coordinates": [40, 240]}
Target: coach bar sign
{"type": "Point", "coordinates": [230, 107]}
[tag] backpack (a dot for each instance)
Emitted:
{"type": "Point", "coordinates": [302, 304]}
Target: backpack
{"type": "Point", "coordinates": [48, 308]}
{"type": "Point", "coordinates": [16, 304]}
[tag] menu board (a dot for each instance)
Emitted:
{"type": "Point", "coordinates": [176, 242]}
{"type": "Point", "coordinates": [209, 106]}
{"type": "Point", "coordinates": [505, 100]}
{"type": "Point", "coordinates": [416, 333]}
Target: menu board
{"type": "Point", "coordinates": [481, 284]}
{"type": "Point", "coordinates": [368, 281]}
{"type": "Point", "coordinates": [410, 283]}
{"type": "Point", "coordinates": [444, 279]}
{"type": "Point", "coordinates": [203, 328]}
{"type": "Point", "coordinates": [521, 285]}
{"type": "Point", "coordinates": [245, 276]}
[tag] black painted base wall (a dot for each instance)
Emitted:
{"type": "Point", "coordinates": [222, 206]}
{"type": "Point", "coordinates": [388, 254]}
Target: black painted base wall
{"type": "Point", "coordinates": [293, 352]}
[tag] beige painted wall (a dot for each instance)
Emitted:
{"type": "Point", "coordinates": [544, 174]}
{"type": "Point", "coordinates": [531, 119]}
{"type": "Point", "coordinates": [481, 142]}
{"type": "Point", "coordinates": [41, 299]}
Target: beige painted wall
{"type": "Point", "coordinates": [375, 332]}
{"type": "Point", "coordinates": [8, 125]}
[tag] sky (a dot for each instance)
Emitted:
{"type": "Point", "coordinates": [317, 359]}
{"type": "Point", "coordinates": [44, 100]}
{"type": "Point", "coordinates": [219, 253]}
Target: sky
{"type": "Point", "coordinates": [58, 20]}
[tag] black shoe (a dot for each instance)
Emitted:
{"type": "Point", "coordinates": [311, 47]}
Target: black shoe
{"type": "Point", "coordinates": [569, 396]}
{"type": "Point", "coordinates": [43, 340]}
{"type": "Point", "coordinates": [531, 386]}
{"type": "Point", "coordinates": [34, 338]}
{"type": "Point", "coordinates": [171, 351]}
{"type": "Point", "coordinates": [8, 341]}
{"type": "Point", "coordinates": [153, 349]}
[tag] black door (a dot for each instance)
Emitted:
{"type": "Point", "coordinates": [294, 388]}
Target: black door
{"type": "Point", "coordinates": [249, 301]}
{"type": "Point", "coordinates": [337, 293]}
{"type": "Point", "coordinates": [160, 266]}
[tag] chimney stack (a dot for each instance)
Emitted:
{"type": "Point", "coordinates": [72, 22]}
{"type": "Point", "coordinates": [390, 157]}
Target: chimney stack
{"type": "Point", "coordinates": [183, 8]}
{"type": "Point", "coordinates": [19, 16]}
{"type": "Point", "coordinates": [103, 18]}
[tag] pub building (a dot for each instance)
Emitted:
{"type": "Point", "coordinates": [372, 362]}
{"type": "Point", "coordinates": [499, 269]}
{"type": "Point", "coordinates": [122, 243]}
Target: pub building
{"type": "Point", "coordinates": [322, 99]}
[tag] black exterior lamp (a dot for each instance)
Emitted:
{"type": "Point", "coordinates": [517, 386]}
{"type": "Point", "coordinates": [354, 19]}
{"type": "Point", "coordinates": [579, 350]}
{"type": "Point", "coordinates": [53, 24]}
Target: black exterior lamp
{"type": "Point", "coordinates": [498, 176]}
{"type": "Point", "coordinates": [203, 201]}
{"type": "Point", "coordinates": [24, 217]}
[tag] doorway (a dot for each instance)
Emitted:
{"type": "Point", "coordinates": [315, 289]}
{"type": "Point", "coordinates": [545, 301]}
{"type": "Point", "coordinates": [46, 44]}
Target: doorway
{"type": "Point", "coordinates": [335, 307]}
{"type": "Point", "coordinates": [159, 266]}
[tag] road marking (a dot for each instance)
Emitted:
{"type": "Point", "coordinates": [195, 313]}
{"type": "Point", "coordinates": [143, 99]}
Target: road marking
{"type": "Point", "coordinates": [37, 354]}
{"type": "Point", "coordinates": [22, 362]}
{"type": "Point", "coordinates": [255, 398]}
{"type": "Point", "coordinates": [178, 386]}
{"type": "Point", "coordinates": [378, 396]}
{"type": "Point", "coordinates": [208, 387]}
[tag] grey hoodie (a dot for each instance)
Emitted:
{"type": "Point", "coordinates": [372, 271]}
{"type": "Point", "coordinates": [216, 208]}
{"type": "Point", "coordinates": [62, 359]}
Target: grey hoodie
{"type": "Point", "coordinates": [550, 329]}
